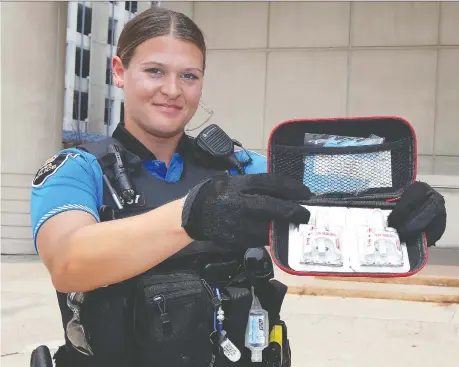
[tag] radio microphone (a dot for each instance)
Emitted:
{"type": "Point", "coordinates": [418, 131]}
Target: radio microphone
{"type": "Point", "coordinates": [215, 142]}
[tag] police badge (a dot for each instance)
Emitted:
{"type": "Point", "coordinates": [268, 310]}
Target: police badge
{"type": "Point", "coordinates": [51, 166]}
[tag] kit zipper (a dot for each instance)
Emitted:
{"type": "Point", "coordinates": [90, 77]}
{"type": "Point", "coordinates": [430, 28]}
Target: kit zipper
{"type": "Point", "coordinates": [160, 301]}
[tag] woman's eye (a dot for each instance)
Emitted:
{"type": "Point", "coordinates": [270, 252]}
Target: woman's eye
{"type": "Point", "coordinates": [190, 76]}
{"type": "Point", "coordinates": [154, 71]}
{"type": "Point", "coordinates": [159, 72]}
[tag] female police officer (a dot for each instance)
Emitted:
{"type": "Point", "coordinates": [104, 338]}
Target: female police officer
{"type": "Point", "coordinates": [160, 65]}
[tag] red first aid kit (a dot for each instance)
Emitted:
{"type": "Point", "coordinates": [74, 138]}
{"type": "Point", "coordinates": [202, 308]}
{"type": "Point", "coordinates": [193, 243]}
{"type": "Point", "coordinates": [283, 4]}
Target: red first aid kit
{"type": "Point", "coordinates": [357, 169]}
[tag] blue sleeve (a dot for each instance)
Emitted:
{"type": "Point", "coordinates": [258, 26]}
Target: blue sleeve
{"type": "Point", "coordinates": [70, 180]}
{"type": "Point", "coordinates": [258, 164]}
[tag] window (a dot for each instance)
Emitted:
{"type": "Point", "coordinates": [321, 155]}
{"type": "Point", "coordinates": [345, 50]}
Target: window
{"type": "Point", "coordinates": [84, 13]}
{"type": "Point", "coordinates": [122, 112]}
{"type": "Point", "coordinates": [131, 6]}
{"type": "Point", "coordinates": [112, 24]}
{"type": "Point", "coordinates": [85, 62]}
{"type": "Point", "coordinates": [108, 111]}
{"type": "Point", "coordinates": [83, 105]}
{"type": "Point", "coordinates": [108, 73]}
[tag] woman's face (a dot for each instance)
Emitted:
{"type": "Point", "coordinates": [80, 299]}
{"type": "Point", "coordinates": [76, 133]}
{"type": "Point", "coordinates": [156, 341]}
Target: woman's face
{"type": "Point", "coordinates": [162, 85]}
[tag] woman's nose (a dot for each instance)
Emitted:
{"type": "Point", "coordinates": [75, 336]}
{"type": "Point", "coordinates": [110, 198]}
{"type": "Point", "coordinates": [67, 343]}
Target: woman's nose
{"type": "Point", "coordinates": [171, 86]}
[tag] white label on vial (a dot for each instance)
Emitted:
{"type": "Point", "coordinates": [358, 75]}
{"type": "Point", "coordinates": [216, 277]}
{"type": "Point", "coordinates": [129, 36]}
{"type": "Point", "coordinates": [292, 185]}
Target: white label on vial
{"type": "Point", "coordinates": [257, 330]}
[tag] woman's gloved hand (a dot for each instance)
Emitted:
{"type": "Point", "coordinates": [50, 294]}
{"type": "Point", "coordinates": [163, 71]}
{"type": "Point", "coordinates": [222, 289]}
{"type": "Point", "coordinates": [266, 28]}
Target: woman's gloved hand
{"type": "Point", "coordinates": [237, 210]}
{"type": "Point", "coordinates": [420, 209]}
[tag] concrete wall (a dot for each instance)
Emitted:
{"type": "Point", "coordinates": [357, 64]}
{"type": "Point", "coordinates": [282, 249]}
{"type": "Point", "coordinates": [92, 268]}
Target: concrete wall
{"type": "Point", "coordinates": [33, 54]}
{"type": "Point", "coordinates": [272, 61]}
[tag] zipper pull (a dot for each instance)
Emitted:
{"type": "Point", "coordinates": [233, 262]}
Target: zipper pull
{"type": "Point", "coordinates": [164, 315]}
{"type": "Point", "coordinates": [216, 303]}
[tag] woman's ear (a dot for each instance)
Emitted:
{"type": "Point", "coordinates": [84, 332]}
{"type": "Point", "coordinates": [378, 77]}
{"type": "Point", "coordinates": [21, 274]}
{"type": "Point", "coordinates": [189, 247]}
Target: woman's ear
{"type": "Point", "coordinates": [118, 72]}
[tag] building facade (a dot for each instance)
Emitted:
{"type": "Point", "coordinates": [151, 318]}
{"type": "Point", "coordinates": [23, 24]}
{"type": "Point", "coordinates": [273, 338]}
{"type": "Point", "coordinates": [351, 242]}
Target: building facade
{"type": "Point", "coordinates": [267, 62]}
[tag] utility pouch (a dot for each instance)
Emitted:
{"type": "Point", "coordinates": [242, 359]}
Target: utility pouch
{"type": "Point", "coordinates": [236, 302]}
{"type": "Point", "coordinates": [104, 315]}
{"type": "Point", "coordinates": [172, 320]}
{"type": "Point", "coordinates": [236, 314]}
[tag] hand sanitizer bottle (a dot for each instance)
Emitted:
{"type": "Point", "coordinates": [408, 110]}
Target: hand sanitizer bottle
{"type": "Point", "coordinates": [257, 331]}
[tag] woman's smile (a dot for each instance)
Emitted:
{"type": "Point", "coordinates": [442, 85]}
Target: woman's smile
{"type": "Point", "coordinates": [167, 108]}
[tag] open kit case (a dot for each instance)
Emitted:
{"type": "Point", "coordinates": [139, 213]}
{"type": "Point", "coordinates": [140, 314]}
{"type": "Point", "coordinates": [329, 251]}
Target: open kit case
{"type": "Point", "coordinates": [356, 168]}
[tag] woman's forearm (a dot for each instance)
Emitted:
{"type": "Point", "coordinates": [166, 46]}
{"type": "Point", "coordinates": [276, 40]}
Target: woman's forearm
{"type": "Point", "coordinates": [105, 253]}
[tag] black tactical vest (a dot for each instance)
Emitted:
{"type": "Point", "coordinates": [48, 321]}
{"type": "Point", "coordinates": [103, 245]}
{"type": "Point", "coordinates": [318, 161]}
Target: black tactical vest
{"type": "Point", "coordinates": [111, 301]}
{"type": "Point", "coordinates": [154, 192]}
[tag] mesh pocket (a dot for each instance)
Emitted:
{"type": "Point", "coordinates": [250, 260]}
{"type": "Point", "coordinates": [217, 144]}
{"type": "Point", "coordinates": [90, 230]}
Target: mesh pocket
{"type": "Point", "coordinates": [350, 170]}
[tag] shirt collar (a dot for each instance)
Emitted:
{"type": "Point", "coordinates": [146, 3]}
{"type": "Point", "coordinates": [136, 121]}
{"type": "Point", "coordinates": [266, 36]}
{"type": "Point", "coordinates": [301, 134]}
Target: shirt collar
{"type": "Point", "coordinates": [131, 143]}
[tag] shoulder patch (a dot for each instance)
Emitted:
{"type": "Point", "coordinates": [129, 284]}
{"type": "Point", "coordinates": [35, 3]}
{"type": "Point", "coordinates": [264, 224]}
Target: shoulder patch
{"type": "Point", "coordinates": [51, 166]}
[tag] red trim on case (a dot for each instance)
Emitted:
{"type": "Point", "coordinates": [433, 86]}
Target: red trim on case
{"type": "Point", "coordinates": [415, 162]}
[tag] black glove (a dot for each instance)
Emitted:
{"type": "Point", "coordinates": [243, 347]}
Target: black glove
{"type": "Point", "coordinates": [420, 209]}
{"type": "Point", "coordinates": [237, 210]}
